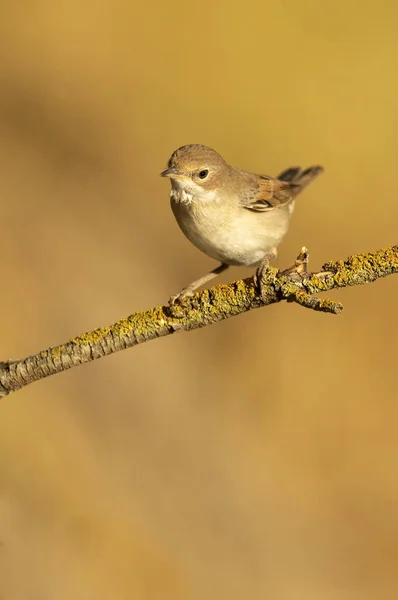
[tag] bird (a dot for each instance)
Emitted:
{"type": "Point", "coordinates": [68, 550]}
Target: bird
{"type": "Point", "coordinates": [234, 216]}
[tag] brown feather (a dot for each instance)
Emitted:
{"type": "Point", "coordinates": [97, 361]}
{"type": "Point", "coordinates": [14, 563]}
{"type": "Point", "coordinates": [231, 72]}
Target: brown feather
{"type": "Point", "coordinates": [272, 193]}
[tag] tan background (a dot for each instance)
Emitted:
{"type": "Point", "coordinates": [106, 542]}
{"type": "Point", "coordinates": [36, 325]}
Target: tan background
{"type": "Point", "coordinates": [254, 459]}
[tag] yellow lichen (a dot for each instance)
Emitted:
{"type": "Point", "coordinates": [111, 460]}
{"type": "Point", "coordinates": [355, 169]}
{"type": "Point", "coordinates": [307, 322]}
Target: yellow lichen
{"type": "Point", "coordinates": [56, 351]}
{"type": "Point", "coordinates": [91, 337]}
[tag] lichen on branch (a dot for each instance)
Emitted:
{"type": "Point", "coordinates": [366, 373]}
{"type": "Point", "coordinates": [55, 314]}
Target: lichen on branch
{"type": "Point", "coordinates": [203, 309]}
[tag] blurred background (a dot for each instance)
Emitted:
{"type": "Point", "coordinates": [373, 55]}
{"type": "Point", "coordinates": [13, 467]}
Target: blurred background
{"type": "Point", "coordinates": [253, 459]}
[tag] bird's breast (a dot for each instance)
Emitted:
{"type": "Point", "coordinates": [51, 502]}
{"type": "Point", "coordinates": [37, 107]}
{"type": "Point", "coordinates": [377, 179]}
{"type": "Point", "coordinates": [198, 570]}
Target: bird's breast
{"type": "Point", "coordinates": [229, 233]}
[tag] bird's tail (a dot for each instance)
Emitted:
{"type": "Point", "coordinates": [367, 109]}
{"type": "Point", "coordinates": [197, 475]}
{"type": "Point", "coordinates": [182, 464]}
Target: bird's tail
{"type": "Point", "coordinates": [300, 178]}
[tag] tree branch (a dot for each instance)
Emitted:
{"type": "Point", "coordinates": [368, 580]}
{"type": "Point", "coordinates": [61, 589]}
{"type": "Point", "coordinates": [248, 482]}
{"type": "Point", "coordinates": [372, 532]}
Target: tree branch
{"type": "Point", "coordinates": [204, 308]}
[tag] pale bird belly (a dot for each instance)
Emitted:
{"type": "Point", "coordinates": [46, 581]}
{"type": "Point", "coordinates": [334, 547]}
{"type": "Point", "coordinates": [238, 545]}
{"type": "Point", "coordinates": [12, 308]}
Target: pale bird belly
{"type": "Point", "coordinates": [243, 238]}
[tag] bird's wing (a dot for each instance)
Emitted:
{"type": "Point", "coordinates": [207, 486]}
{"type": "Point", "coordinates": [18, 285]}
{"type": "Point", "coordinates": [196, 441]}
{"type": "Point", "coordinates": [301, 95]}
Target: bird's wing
{"type": "Point", "coordinates": [269, 194]}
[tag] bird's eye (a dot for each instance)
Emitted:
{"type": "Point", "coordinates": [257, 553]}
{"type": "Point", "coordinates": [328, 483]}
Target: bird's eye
{"type": "Point", "coordinates": [203, 174]}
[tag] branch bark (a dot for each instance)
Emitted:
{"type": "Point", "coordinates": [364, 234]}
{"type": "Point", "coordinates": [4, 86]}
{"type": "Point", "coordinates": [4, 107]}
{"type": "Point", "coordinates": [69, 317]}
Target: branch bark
{"type": "Point", "coordinates": [204, 308]}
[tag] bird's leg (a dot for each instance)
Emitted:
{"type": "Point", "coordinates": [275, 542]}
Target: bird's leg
{"type": "Point", "coordinates": [261, 270]}
{"type": "Point", "coordinates": [189, 290]}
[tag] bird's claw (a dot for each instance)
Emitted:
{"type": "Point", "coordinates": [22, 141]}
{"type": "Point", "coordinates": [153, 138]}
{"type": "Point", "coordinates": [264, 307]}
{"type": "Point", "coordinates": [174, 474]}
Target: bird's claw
{"type": "Point", "coordinates": [181, 297]}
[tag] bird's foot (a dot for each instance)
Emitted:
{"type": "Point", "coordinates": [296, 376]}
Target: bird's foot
{"type": "Point", "coordinates": [260, 277]}
{"type": "Point", "coordinates": [181, 296]}
{"type": "Point", "coordinates": [178, 302]}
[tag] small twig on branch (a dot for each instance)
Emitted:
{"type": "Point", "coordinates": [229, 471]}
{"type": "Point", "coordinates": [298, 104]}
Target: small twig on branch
{"type": "Point", "coordinates": [204, 308]}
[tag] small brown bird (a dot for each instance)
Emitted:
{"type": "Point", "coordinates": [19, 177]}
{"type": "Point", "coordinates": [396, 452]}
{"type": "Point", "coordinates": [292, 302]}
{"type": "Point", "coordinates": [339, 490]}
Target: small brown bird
{"type": "Point", "coordinates": [233, 216]}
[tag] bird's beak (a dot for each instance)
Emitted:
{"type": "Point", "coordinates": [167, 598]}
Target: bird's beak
{"type": "Point", "coordinates": [171, 172]}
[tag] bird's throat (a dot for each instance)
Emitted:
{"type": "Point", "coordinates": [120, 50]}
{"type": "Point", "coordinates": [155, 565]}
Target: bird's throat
{"type": "Point", "coordinates": [190, 192]}
{"type": "Point", "coordinates": [181, 196]}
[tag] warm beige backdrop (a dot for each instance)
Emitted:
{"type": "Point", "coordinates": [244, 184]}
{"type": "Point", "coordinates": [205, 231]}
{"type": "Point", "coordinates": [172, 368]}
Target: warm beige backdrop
{"type": "Point", "coordinates": [254, 459]}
